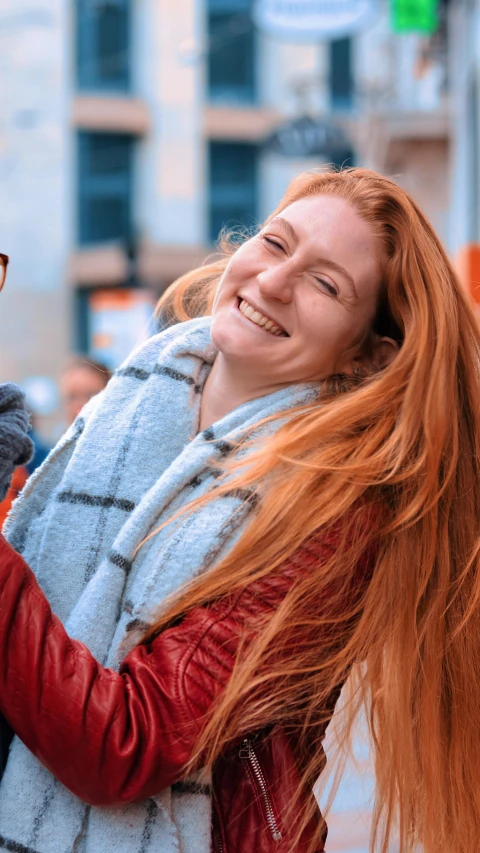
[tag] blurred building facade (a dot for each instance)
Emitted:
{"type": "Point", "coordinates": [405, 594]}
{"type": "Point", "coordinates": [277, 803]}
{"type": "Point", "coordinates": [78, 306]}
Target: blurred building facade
{"type": "Point", "coordinates": [405, 123]}
{"type": "Point", "coordinates": [132, 130]}
{"type": "Point", "coordinates": [465, 132]}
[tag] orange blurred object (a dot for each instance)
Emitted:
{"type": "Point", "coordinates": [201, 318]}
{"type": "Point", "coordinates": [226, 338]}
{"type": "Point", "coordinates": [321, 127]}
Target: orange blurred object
{"type": "Point", "coordinates": [20, 477]}
{"type": "Point", "coordinates": [467, 262]}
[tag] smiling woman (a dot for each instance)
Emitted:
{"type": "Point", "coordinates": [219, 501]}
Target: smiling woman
{"type": "Point", "coordinates": [314, 274]}
{"type": "Point", "coordinates": [273, 497]}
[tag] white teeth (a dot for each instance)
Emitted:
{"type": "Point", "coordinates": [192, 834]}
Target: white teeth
{"type": "Point", "coordinates": [260, 319]}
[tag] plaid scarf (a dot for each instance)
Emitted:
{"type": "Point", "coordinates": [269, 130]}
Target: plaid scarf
{"type": "Point", "coordinates": [131, 459]}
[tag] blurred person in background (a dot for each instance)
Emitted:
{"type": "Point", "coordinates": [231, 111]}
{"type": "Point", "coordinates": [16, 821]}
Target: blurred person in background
{"type": "Point", "coordinates": [23, 472]}
{"type": "Point", "coordinates": [266, 495]}
{"type": "Point", "coordinates": [81, 379]}
{"type": "Point", "coordinates": [16, 450]}
{"type": "Point", "coordinates": [18, 481]}
{"type": "Point", "coordinates": [40, 449]}
{"type": "Point", "coordinates": [16, 465]}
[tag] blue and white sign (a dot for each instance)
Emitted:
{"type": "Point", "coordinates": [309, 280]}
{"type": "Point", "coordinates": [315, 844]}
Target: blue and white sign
{"type": "Point", "coordinates": [311, 20]}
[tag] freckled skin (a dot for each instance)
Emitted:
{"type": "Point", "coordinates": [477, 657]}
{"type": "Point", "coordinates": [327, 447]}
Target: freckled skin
{"type": "Point", "coordinates": [281, 282]}
{"type": "Point", "coordinates": [289, 278]}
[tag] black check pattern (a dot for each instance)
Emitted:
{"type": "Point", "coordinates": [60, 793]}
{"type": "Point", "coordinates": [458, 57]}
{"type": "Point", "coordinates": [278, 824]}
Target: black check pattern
{"type": "Point", "coordinates": [15, 846]}
{"type": "Point", "coordinates": [103, 501]}
{"type": "Point", "coordinates": [191, 787]}
{"type": "Point", "coordinates": [120, 561]}
{"type": "Point", "coordinates": [141, 374]}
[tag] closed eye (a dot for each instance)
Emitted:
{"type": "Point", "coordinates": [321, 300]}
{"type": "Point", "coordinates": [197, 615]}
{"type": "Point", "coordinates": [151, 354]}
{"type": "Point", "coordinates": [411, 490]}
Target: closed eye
{"type": "Point", "coordinates": [330, 287]}
{"type": "Point", "coordinates": [272, 242]}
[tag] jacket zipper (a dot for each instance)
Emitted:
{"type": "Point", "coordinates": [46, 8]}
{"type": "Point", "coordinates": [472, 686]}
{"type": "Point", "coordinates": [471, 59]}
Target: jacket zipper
{"type": "Point", "coordinates": [216, 832]}
{"type": "Point", "coordinates": [248, 753]}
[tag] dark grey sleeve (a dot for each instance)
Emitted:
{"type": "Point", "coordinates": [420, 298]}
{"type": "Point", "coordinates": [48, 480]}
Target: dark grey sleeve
{"type": "Point", "coordinates": [16, 447]}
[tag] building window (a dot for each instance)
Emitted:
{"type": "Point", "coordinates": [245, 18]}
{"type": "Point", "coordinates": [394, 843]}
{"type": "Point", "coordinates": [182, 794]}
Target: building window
{"type": "Point", "coordinates": [233, 186]}
{"type": "Point", "coordinates": [231, 63]}
{"type": "Point", "coordinates": [105, 172]}
{"type": "Point", "coordinates": [103, 44]}
{"type": "Point", "coordinates": [341, 80]}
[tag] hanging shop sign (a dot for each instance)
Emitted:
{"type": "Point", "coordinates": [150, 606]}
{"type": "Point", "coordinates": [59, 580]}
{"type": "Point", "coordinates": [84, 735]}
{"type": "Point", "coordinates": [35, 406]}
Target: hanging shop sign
{"type": "Point", "coordinates": [119, 320]}
{"type": "Point", "coordinates": [311, 20]}
{"type": "Point", "coordinates": [414, 16]}
{"type": "Point", "coordinates": [310, 137]}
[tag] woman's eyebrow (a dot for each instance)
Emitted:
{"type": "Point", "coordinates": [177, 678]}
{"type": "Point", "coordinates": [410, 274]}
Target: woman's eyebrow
{"type": "Point", "coordinates": [325, 261]}
{"type": "Point", "coordinates": [279, 220]}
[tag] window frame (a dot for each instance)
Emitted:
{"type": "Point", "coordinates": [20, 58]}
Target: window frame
{"type": "Point", "coordinates": [87, 53]}
{"type": "Point", "coordinates": [236, 193]}
{"type": "Point", "coordinates": [341, 91]}
{"type": "Point", "coordinates": [91, 186]}
{"type": "Point", "coordinates": [242, 92]}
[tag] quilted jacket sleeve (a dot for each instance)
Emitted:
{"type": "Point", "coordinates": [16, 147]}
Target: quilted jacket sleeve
{"type": "Point", "coordinates": [111, 737]}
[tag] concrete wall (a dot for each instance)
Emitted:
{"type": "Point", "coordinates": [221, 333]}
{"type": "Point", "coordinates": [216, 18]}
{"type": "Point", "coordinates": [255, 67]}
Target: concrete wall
{"type": "Point", "coordinates": [35, 174]}
{"type": "Point", "coordinates": [465, 74]}
{"type": "Point", "coordinates": [172, 167]}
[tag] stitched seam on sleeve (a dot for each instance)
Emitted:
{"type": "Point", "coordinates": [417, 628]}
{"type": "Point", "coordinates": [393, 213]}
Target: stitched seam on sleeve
{"type": "Point", "coordinates": [186, 662]}
{"type": "Point", "coordinates": [202, 688]}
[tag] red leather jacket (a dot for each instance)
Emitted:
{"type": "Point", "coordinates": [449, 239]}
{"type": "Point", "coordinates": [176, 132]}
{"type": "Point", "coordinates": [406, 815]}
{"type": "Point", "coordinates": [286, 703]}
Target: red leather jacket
{"type": "Point", "coordinates": [114, 738]}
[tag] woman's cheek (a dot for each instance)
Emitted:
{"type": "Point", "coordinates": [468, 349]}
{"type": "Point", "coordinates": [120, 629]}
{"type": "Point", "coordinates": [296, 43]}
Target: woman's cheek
{"type": "Point", "coordinates": [218, 293]}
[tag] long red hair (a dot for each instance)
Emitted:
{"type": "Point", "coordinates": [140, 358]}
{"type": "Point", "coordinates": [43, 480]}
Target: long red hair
{"type": "Point", "coordinates": [403, 443]}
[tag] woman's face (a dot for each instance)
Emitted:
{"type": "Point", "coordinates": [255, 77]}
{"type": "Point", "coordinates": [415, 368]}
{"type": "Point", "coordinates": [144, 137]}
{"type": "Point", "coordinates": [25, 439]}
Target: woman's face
{"type": "Point", "coordinates": [294, 298]}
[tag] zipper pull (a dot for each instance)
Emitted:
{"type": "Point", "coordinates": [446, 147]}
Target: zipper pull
{"type": "Point", "coordinates": [245, 750]}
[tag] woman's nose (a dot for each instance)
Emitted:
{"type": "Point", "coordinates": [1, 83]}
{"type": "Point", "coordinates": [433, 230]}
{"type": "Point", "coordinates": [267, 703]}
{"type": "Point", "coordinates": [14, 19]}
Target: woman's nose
{"type": "Point", "coordinates": [276, 282]}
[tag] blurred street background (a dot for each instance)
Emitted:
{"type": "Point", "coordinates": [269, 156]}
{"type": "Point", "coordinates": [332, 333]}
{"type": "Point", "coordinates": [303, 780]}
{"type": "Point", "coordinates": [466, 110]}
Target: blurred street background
{"type": "Point", "coordinates": [132, 131]}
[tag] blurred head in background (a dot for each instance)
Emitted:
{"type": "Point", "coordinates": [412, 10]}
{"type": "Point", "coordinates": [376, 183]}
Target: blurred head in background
{"type": "Point", "coordinates": [81, 379]}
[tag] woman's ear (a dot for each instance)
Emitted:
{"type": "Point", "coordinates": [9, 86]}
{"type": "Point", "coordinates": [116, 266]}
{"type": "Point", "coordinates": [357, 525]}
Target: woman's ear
{"type": "Point", "coordinates": [381, 353]}
{"type": "Point", "coordinates": [384, 351]}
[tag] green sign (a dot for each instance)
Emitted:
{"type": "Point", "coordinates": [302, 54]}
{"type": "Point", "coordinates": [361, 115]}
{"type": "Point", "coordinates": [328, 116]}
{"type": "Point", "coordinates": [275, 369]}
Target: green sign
{"type": "Point", "coordinates": [414, 16]}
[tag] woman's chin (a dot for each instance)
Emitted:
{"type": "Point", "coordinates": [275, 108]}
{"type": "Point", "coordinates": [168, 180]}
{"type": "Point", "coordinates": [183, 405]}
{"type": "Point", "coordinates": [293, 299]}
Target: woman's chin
{"type": "Point", "coordinates": [232, 332]}
{"type": "Point", "coordinates": [232, 344]}
{"type": "Point", "coordinates": [228, 333]}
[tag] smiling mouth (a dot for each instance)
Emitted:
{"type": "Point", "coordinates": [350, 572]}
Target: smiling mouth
{"type": "Point", "coordinates": [261, 320]}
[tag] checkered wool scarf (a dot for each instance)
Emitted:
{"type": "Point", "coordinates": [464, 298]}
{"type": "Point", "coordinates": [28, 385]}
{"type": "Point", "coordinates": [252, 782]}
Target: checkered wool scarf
{"type": "Point", "coordinates": [130, 460]}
